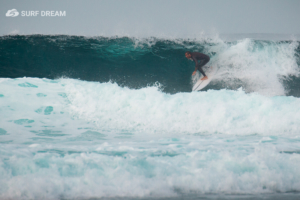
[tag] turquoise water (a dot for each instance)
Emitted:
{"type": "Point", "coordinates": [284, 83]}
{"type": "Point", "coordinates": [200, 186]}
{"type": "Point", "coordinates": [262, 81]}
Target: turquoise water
{"type": "Point", "coordinates": [143, 137]}
{"type": "Point", "coordinates": [270, 67]}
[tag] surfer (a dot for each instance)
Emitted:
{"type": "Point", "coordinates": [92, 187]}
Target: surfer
{"type": "Point", "coordinates": [195, 56]}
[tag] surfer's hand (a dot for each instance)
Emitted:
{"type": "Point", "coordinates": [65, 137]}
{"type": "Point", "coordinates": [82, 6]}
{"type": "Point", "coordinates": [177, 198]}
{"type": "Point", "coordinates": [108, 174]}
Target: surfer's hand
{"type": "Point", "coordinates": [204, 78]}
{"type": "Point", "coordinates": [194, 73]}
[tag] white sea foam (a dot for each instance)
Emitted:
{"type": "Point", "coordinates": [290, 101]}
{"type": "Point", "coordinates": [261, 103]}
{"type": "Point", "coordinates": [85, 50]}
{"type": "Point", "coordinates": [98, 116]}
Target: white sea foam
{"type": "Point", "coordinates": [108, 107]}
{"type": "Point", "coordinates": [77, 139]}
{"type": "Point", "coordinates": [259, 67]}
{"type": "Point", "coordinates": [161, 168]}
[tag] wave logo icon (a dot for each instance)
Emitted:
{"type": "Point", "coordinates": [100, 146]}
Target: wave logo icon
{"type": "Point", "coordinates": [12, 13]}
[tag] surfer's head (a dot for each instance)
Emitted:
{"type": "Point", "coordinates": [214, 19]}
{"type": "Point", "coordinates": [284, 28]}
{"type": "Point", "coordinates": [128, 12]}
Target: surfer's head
{"type": "Point", "coordinates": [188, 54]}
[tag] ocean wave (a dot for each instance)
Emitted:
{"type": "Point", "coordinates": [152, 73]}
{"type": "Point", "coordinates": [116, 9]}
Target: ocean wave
{"type": "Point", "coordinates": [265, 66]}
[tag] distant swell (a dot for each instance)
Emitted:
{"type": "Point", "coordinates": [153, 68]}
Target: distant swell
{"type": "Point", "coordinates": [267, 67]}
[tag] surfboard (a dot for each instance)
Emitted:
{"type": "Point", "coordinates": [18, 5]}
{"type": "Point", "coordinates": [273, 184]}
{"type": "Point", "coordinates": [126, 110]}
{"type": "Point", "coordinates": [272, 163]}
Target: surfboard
{"type": "Point", "coordinates": [210, 72]}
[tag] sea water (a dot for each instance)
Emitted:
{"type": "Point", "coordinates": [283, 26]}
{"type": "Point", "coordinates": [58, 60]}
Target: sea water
{"type": "Point", "coordinates": [115, 118]}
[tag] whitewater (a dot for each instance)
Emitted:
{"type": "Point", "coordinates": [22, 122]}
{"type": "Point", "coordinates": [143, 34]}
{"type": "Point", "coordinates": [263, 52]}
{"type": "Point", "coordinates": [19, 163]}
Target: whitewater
{"type": "Point", "coordinates": [115, 118]}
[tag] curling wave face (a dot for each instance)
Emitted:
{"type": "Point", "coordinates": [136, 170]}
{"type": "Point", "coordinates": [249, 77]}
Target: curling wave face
{"type": "Point", "coordinates": [264, 66]}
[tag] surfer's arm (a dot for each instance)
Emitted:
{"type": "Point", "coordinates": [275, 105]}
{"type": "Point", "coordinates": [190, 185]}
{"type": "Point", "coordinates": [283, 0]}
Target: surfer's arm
{"type": "Point", "coordinates": [196, 65]}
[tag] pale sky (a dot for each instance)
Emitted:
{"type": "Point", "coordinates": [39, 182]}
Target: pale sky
{"type": "Point", "coordinates": [176, 18]}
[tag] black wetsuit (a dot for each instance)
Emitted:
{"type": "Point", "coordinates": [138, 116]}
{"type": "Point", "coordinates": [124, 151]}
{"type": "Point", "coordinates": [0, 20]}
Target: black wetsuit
{"type": "Point", "coordinates": [203, 60]}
